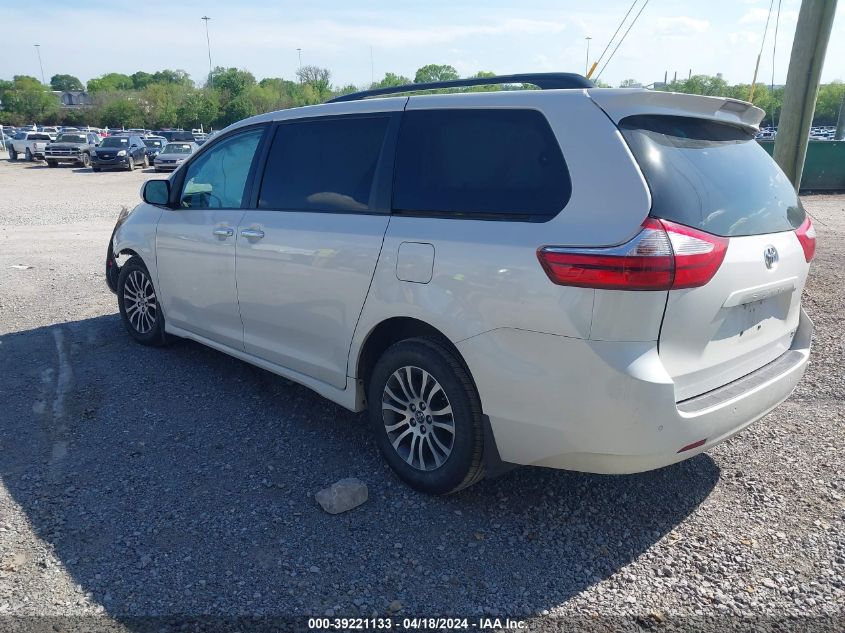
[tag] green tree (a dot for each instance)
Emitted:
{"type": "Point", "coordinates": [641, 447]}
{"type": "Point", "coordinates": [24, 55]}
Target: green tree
{"type": "Point", "coordinates": [31, 105]}
{"type": "Point", "coordinates": [629, 83]}
{"type": "Point", "coordinates": [238, 108]}
{"type": "Point", "coordinates": [828, 103]}
{"type": "Point", "coordinates": [26, 82]}
{"type": "Point", "coordinates": [111, 82]}
{"type": "Point", "coordinates": [65, 82]}
{"type": "Point", "coordinates": [141, 79]}
{"type": "Point", "coordinates": [391, 80]}
{"type": "Point", "coordinates": [232, 81]}
{"type": "Point", "coordinates": [435, 72]}
{"type": "Point", "coordinates": [318, 78]}
{"type": "Point", "coordinates": [198, 108]}
{"type": "Point", "coordinates": [177, 77]}
{"type": "Point", "coordinates": [121, 112]}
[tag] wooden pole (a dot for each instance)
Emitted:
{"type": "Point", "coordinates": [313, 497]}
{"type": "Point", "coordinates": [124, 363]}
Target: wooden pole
{"type": "Point", "coordinates": [812, 33]}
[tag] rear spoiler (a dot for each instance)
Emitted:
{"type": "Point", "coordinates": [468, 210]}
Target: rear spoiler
{"type": "Point", "coordinates": [624, 102]}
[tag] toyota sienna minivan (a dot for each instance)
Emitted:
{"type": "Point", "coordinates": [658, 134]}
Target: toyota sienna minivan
{"type": "Point", "coordinates": [600, 280]}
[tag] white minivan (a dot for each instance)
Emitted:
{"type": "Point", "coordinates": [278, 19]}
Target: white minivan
{"type": "Point", "coordinates": [591, 279]}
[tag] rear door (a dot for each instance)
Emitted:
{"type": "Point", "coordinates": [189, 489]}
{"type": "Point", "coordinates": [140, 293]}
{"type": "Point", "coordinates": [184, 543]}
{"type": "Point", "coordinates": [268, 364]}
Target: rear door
{"type": "Point", "coordinates": [714, 177]}
{"type": "Point", "coordinates": [307, 250]}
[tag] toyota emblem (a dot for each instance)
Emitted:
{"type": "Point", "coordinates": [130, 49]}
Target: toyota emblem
{"type": "Point", "coordinates": [770, 256]}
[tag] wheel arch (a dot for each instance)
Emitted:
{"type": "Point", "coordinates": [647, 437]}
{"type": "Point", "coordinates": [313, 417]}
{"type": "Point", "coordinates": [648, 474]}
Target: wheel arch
{"type": "Point", "coordinates": [391, 331]}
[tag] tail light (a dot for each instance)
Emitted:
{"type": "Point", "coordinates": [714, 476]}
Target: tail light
{"type": "Point", "coordinates": [662, 256]}
{"type": "Point", "coordinates": [807, 236]}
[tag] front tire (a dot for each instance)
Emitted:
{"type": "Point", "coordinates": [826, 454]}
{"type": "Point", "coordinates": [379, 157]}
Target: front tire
{"type": "Point", "coordinates": [130, 164]}
{"type": "Point", "coordinates": [96, 169]}
{"type": "Point", "coordinates": [86, 160]}
{"type": "Point", "coordinates": [28, 155]}
{"type": "Point", "coordinates": [425, 414]}
{"type": "Point", "coordinates": [146, 161]}
{"type": "Point", "coordinates": [13, 155]}
{"type": "Point", "coordinates": [52, 163]}
{"type": "Point", "coordinates": [138, 304]}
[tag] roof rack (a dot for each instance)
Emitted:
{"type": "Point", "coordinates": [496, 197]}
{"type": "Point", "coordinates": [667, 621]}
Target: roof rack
{"type": "Point", "coordinates": [544, 81]}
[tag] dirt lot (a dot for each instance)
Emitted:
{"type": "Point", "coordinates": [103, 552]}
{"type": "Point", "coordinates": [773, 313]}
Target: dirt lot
{"type": "Point", "coordinates": [179, 481]}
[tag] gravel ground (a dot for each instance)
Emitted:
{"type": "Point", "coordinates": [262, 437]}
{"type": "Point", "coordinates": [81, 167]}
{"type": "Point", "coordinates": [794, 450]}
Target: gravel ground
{"type": "Point", "coordinates": [179, 481]}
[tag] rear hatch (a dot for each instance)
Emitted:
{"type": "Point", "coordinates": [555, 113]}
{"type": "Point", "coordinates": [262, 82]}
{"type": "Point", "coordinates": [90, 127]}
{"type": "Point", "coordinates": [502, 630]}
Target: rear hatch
{"type": "Point", "coordinates": [712, 176]}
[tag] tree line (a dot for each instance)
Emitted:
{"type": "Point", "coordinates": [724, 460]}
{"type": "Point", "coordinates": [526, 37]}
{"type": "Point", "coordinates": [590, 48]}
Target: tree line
{"type": "Point", "coordinates": [170, 98]}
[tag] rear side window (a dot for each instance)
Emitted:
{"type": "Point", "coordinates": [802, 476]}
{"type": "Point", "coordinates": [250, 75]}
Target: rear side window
{"type": "Point", "coordinates": [323, 165]}
{"type": "Point", "coordinates": [711, 176]}
{"type": "Point", "coordinates": [494, 164]}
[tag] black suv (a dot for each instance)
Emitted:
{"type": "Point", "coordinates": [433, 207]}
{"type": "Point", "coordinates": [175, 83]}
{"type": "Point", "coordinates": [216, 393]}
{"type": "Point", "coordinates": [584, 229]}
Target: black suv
{"type": "Point", "coordinates": [120, 152]}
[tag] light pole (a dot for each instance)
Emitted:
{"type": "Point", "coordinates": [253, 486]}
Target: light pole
{"type": "Point", "coordinates": [299, 52]}
{"type": "Point", "coordinates": [205, 19]}
{"type": "Point", "coordinates": [40, 65]}
{"type": "Point", "coordinates": [587, 65]}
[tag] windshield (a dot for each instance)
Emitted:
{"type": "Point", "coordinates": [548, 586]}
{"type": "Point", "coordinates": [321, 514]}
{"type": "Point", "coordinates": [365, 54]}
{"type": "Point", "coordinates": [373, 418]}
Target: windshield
{"type": "Point", "coordinates": [115, 141]}
{"type": "Point", "coordinates": [177, 148]}
{"type": "Point", "coordinates": [71, 138]}
{"type": "Point", "coordinates": [711, 176]}
{"type": "Point", "coordinates": [153, 142]}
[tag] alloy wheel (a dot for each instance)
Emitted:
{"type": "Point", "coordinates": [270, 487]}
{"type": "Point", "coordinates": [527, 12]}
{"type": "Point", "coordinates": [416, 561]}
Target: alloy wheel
{"type": "Point", "coordinates": [418, 418]}
{"type": "Point", "coordinates": [139, 301]}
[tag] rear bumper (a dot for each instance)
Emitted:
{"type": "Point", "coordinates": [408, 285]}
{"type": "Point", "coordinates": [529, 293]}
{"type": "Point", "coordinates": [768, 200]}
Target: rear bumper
{"type": "Point", "coordinates": [609, 407]}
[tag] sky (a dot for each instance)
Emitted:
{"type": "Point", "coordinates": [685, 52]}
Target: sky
{"type": "Point", "coordinates": [363, 39]}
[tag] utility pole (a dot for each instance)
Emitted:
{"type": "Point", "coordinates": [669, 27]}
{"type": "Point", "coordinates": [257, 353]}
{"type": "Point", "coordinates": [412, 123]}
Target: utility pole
{"type": "Point", "coordinates": [587, 65]}
{"type": "Point", "coordinates": [299, 52]}
{"type": "Point", "coordinates": [40, 65]}
{"type": "Point", "coordinates": [812, 33]}
{"type": "Point", "coordinates": [840, 122]}
{"type": "Point", "coordinates": [372, 68]}
{"type": "Point", "coordinates": [205, 19]}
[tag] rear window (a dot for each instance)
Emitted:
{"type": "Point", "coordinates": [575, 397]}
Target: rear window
{"type": "Point", "coordinates": [486, 164]}
{"type": "Point", "coordinates": [711, 176]}
{"type": "Point", "coordinates": [38, 137]}
{"type": "Point", "coordinates": [323, 165]}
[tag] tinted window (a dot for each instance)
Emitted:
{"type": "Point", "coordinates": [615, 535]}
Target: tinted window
{"type": "Point", "coordinates": [323, 165]}
{"type": "Point", "coordinates": [711, 176]}
{"type": "Point", "coordinates": [496, 163]}
{"type": "Point", "coordinates": [38, 137]}
{"type": "Point", "coordinates": [217, 179]}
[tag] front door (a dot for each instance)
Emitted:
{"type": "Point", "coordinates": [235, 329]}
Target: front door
{"type": "Point", "coordinates": [307, 253]}
{"type": "Point", "coordinates": [195, 242]}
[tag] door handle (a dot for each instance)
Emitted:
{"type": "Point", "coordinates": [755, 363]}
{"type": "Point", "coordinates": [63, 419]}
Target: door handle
{"type": "Point", "coordinates": [224, 231]}
{"type": "Point", "coordinates": [252, 233]}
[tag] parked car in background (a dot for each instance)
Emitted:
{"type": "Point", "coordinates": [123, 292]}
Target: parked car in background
{"type": "Point", "coordinates": [72, 147]}
{"type": "Point", "coordinates": [154, 145]}
{"type": "Point", "coordinates": [176, 135]}
{"type": "Point", "coordinates": [592, 279]}
{"type": "Point", "coordinates": [120, 152]}
{"type": "Point", "coordinates": [173, 155]}
{"type": "Point", "coordinates": [30, 145]}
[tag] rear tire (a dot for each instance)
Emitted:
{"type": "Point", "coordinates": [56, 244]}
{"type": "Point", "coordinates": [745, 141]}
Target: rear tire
{"type": "Point", "coordinates": [436, 453]}
{"type": "Point", "coordinates": [146, 161]}
{"type": "Point", "coordinates": [139, 306]}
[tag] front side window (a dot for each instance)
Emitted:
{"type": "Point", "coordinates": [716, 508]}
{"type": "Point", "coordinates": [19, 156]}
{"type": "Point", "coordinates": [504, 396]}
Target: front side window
{"type": "Point", "coordinates": [217, 179]}
{"type": "Point", "coordinates": [487, 164]}
{"type": "Point", "coordinates": [323, 165]}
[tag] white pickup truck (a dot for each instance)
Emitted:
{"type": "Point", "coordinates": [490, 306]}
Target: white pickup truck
{"type": "Point", "coordinates": [30, 145]}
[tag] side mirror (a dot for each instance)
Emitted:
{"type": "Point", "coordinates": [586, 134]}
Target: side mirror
{"type": "Point", "coordinates": [156, 192]}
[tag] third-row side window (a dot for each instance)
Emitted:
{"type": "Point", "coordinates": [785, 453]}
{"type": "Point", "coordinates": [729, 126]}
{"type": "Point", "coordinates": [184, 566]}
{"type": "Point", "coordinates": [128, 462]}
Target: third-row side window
{"type": "Point", "coordinates": [475, 163]}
